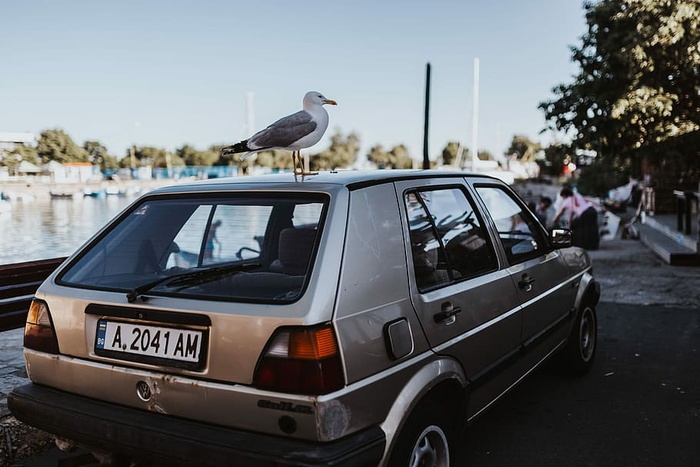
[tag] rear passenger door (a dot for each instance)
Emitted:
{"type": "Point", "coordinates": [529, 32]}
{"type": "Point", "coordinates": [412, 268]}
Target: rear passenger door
{"type": "Point", "coordinates": [467, 306]}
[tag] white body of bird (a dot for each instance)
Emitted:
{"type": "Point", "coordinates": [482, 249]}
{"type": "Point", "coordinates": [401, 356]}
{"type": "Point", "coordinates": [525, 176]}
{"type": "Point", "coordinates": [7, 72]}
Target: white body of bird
{"type": "Point", "coordinates": [294, 132]}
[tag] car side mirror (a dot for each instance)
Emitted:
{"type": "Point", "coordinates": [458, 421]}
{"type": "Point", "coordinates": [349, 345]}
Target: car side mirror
{"type": "Point", "coordinates": [560, 238]}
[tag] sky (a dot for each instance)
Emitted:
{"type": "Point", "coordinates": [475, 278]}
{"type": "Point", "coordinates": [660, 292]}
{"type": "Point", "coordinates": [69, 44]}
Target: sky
{"type": "Point", "coordinates": [169, 73]}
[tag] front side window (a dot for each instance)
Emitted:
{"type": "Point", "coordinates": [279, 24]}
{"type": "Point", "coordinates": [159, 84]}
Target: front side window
{"type": "Point", "coordinates": [448, 240]}
{"type": "Point", "coordinates": [519, 233]}
{"type": "Point", "coordinates": [240, 247]}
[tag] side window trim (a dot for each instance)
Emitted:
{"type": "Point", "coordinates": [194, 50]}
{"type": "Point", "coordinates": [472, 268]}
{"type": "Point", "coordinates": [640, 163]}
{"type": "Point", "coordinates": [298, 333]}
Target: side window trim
{"type": "Point", "coordinates": [480, 241]}
{"type": "Point", "coordinates": [535, 230]}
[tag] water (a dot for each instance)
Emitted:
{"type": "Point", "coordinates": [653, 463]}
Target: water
{"type": "Point", "coordinates": [49, 227]}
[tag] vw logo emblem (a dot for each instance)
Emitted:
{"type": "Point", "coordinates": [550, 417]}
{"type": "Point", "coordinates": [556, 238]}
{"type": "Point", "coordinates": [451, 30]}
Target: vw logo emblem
{"type": "Point", "coordinates": [143, 390]}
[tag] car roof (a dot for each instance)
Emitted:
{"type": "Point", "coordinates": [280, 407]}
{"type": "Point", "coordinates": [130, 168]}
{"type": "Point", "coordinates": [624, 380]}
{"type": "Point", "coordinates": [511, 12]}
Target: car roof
{"type": "Point", "coordinates": [351, 179]}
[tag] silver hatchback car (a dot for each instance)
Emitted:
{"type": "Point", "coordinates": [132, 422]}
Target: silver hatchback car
{"type": "Point", "coordinates": [346, 318]}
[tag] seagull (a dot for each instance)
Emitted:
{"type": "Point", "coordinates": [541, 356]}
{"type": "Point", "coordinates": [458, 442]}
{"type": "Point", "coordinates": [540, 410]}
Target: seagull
{"type": "Point", "coordinates": [294, 132]}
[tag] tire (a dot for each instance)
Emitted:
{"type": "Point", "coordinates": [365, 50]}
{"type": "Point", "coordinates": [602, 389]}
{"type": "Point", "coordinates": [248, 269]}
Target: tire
{"type": "Point", "coordinates": [579, 352]}
{"type": "Point", "coordinates": [426, 439]}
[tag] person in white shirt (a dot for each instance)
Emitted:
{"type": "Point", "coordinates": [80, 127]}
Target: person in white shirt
{"type": "Point", "coordinates": [583, 219]}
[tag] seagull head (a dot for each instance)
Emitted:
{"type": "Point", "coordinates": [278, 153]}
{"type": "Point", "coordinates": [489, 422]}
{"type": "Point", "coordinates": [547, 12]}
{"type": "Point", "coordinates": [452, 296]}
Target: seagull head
{"type": "Point", "coordinates": [316, 99]}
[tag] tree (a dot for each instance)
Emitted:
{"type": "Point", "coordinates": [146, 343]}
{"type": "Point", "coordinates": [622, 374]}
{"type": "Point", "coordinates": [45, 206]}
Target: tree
{"type": "Point", "coordinates": [56, 145]}
{"type": "Point", "coordinates": [450, 153]}
{"type": "Point", "coordinates": [98, 155]}
{"type": "Point", "coordinates": [192, 156]}
{"type": "Point", "coordinates": [149, 156]}
{"type": "Point", "coordinates": [18, 154]}
{"type": "Point", "coordinates": [639, 81]}
{"type": "Point", "coordinates": [485, 155]}
{"type": "Point", "coordinates": [342, 153]}
{"type": "Point", "coordinates": [378, 156]}
{"type": "Point", "coordinates": [397, 158]}
{"type": "Point", "coordinates": [523, 148]}
{"type": "Point", "coordinates": [400, 158]}
{"type": "Point", "coordinates": [556, 156]}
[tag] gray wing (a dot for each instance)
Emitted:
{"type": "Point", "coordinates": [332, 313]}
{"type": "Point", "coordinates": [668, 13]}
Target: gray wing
{"type": "Point", "coordinates": [283, 132]}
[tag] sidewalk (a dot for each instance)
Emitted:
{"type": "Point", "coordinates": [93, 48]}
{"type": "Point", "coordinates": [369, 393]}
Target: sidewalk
{"type": "Point", "coordinates": [629, 273]}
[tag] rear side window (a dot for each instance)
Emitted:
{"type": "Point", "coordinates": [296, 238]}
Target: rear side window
{"type": "Point", "coordinates": [517, 229]}
{"type": "Point", "coordinates": [240, 247]}
{"type": "Point", "coordinates": [448, 240]}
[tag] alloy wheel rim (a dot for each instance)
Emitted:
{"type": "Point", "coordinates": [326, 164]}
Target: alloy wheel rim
{"type": "Point", "coordinates": [587, 334]}
{"type": "Point", "coordinates": [431, 449]}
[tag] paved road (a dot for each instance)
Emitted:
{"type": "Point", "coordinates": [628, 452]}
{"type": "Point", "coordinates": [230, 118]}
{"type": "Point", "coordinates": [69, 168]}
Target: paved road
{"type": "Point", "coordinates": [639, 405]}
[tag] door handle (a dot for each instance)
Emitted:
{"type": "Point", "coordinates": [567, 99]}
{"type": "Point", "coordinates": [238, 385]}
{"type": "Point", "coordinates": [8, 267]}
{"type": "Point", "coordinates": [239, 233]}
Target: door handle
{"type": "Point", "coordinates": [448, 313]}
{"type": "Point", "coordinates": [526, 283]}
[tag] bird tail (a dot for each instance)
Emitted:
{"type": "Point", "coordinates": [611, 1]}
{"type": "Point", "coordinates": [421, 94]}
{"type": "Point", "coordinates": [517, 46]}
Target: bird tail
{"type": "Point", "coordinates": [235, 148]}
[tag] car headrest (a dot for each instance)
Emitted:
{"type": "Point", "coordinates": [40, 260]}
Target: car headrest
{"type": "Point", "coordinates": [295, 247]}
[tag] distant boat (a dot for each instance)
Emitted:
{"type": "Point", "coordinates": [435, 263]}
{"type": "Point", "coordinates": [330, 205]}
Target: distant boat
{"type": "Point", "coordinates": [114, 190]}
{"type": "Point", "coordinates": [89, 192]}
{"type": "Point", "coordinates": [63, 194]}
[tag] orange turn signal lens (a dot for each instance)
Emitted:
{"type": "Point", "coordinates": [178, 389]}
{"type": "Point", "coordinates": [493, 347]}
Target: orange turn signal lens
{"type": "Point", "coordinates": [312, 344]}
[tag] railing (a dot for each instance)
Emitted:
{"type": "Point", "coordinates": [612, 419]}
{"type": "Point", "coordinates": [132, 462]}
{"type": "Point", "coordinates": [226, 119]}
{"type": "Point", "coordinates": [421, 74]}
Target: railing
{"type": "Point", "coordinates": [18, 283]}
{"type": "Point", "coordinates": [684, 203]}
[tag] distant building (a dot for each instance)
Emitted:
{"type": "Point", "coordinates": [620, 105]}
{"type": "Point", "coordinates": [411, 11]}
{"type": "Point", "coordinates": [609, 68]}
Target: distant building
{"type": "Point", "coordinates": [9, 140]}
{"type": "Point", "coordinates": [73, 172]}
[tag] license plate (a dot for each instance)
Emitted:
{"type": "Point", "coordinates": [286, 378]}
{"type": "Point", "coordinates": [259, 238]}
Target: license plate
{"type": "Point", "coordinates": [159, 342]}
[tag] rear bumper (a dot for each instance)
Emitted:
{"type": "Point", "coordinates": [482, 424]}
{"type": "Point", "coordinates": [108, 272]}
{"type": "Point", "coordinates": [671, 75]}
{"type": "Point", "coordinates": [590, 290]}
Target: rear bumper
{"type": "Point", "coordinates": [173, 441]}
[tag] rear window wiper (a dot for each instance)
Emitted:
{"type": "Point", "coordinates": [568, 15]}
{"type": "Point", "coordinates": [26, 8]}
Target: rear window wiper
{"type": "Point", "coordinates": [188, 278]}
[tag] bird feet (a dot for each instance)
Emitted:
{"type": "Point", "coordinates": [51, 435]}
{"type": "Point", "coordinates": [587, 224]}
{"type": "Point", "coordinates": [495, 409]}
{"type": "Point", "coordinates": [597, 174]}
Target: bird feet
{"type": "Point", "coordinates": [299, 166]}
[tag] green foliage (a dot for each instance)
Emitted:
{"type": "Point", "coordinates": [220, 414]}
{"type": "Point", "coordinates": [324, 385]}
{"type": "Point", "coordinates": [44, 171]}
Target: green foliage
{"type": "Point", "coordinates": [18, 154]}
{"type": "Point", "coordinates": [524, 149]}
{"type": "Point", "coordinates": [450, 152]}
{"type": "Point", "coordinates": [342, 153]}
{"type": "Point", "coordinates": [149, 156]}
{"type": "Point", "coordinates": [98, 155]}
{"type": "Point", "coordinates": [556, 156]}
{"type": "Point", "coordinates": [484, 155]}
{"type": "Point", "coordinates": [378, 156]}
{"type": "Point", "coordinates": [638, 83]}
{"type": "Point", "coordinates": [397, 158]}
{"type": "Point", "coordinates": [400, 158]}
{"type": "Point", "coordinates": [604, 174]}
{"type": "Point", "coordinates": [56, 145]}
{"type": "Point", "coordinates": [191, 156]}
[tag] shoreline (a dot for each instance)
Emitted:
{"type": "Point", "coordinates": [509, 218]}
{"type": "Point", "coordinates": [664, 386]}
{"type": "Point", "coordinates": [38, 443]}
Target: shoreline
{"type": "Point", "coordinates": [28, 189]}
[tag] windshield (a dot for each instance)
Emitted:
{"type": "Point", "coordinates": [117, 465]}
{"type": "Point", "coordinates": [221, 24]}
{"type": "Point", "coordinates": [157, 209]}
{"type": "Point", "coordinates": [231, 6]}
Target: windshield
{"type": "Point", "coordinates": [239, 247]}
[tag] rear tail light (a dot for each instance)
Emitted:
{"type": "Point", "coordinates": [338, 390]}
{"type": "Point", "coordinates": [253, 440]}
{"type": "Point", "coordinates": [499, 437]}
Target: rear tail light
{"type": "Point", "coordinates": [38, 332]}
{"type": "Point", "coordinates": [301, 361]}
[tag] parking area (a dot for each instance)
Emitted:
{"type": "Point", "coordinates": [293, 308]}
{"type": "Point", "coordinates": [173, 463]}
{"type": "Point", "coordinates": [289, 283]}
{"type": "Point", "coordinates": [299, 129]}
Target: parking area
{"type": "Point", "coordinates": [639, 405]}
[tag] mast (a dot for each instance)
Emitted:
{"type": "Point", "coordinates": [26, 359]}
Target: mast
{"type": "Point", "coordinates": [475, 117]}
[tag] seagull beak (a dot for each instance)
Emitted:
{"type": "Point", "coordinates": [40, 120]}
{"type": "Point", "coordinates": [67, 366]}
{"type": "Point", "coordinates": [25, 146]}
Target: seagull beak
{"type": "Point", "coordinates": [330, 101]}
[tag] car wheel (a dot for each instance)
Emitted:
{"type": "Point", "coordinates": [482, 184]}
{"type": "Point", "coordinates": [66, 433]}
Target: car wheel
{"type": "Point", "coordinates": [425, 440]}
{"type": "Point", "coordinates": [580, 350]}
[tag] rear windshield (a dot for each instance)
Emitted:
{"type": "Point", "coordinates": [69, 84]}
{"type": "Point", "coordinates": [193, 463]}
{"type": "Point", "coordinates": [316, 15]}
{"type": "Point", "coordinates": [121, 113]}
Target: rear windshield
{"type": "Point", "coordinates": [256, 248]}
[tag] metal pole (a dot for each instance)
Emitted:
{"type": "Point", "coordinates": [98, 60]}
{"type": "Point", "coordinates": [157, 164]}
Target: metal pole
{"type": "Point", "coordinates": [426, 159]}
{"type": "Point", "coordinates": [475, 118]}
